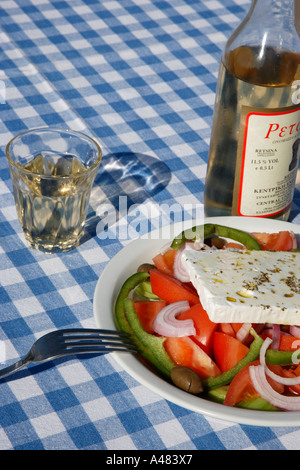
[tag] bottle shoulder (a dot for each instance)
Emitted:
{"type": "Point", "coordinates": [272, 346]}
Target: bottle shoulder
{"type": "Point", "coordinates": [270, 22]}
{"type": "Point", "coordinates": [265, 48]}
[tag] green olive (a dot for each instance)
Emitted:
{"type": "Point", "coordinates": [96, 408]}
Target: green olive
{"type": "Point", "coordinates": [186, 379]}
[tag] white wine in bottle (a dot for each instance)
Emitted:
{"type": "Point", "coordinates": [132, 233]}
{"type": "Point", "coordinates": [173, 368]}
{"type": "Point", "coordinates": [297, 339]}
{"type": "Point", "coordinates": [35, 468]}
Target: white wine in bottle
{"type": "Point", "coordinates": [255, 139]}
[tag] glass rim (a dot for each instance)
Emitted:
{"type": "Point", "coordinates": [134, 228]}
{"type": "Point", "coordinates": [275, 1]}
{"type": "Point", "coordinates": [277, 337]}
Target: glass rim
{"type": "Point", "coordinates": [54, 129]}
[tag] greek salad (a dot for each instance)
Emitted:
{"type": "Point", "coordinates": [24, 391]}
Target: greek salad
{"type": "Point", "coordinates": [248, 365]}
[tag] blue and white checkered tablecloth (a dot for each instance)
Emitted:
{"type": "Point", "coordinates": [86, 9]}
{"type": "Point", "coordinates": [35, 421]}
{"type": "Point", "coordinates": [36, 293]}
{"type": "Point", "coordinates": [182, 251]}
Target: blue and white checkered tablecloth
{"type": "Point", "coordinates": [139, 76]}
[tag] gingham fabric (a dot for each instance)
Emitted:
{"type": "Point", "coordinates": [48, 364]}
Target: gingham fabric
{"type": "Point", "coordinates": [140, 76]}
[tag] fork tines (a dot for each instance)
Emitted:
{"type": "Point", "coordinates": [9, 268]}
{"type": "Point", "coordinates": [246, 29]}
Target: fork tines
{"type": "Point", "coordinates": [97, 340]}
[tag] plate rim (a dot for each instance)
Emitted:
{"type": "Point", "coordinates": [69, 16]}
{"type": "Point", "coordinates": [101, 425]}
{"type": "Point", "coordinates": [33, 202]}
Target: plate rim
{"type": "Point", "coordinates": [136, 368]}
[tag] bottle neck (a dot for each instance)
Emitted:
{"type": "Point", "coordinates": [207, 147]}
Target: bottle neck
{"type": "Point", "coordinates": [265, 48]}
{"type": "Point", "coordinates": [297, 16]}
{"type": "Point", "coordinates": [273, 23]}
{"type": "Point", "coordinates": [275, 12]}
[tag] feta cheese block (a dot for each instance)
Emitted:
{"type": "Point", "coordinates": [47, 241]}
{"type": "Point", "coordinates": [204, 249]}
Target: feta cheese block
{"type": "Point", "coordinates": [246, 286]}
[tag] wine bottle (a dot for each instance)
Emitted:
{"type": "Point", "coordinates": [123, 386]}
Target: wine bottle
{"type": "Point", "coordinates": [255, 138]}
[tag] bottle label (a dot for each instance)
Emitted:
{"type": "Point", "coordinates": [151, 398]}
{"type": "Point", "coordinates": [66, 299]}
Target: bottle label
{"type": "Point", "coordinates": [267, 161]}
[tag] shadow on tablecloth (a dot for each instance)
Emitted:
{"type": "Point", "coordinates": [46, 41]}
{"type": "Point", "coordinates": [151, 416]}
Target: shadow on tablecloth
{"type": "Point", "coordinates": [125, 179]}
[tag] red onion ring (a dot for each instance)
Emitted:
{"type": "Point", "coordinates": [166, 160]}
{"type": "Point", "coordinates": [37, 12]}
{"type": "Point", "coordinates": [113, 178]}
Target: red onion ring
{"type": "Point", "coordinates": [243, 333]}
{"type": "Point", "coordinates": [264, 389]}
{"type": "Point", "coordinates": [295, 243]}
{"type": "Point", "coordinates": [277, 378]}
{"type": "Point", "coordinates": [295, 331]}
{"type": "Point", "coordinates": [166, 324]}
{"type": "Point", "coordinates": [179, 270]}
{"type": "Point", "coordinates": [275, 336]}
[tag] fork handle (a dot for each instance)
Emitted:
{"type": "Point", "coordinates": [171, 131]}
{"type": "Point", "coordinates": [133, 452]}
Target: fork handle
{"type": "Point", "coordinates": [15, 367]}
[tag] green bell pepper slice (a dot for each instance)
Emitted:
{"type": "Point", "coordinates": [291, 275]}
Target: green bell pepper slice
{"type": "Point", "coordinates": [281, 358]}
{"type": "Point", "coordinates": [152, 343]}
{"type": "Point", "coordinates": [120, 317]}
{"type": "Point", "coordinates": [257, 403]}
{"type": "Point", "coordinates": [131, 283]}
{"type": "Point", "coordinates": [218, 395]}
{"type": "Point", "coordinates": [145, 290]}
{"type": "Point", "coordinates": [206, 230]}
{"type": "Point", "coordinates": [226, 377]}
{"type": "Point", "coordinates": [127, 320]}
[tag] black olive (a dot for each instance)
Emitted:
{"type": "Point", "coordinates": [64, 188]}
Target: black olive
{"type": "Point", "coordinates": [186, 379]}
{"type": "Point", "coordinates": [145, 268]}
{"type": "Point", "coordinates": [217, 242]}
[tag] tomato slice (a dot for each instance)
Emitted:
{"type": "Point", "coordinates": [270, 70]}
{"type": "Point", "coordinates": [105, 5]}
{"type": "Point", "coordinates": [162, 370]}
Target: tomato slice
{"type": "Point", "coordinates": [234, 245]}
{"type": "Point", "coordinates": [236, 326]}
{"type": "Point", "coordinates": [289, 343]}
{"type": "Point", "coordinates": [185, 352]}
{"type": "Point", "coordinates": [281, 241]}
{"type": "Point", "coordinates": [164, 262]}
{"type": "Point", "coordinates": [169, 257]}
{"type": "Point", "coordinates": [286, 343]}
{"type": "Point", "coordinates": [205, 328]}
{"type": "Point", "coordinates": [289, 373]}
{"type": "Point", "coordinates": [227, 328]}
{"type": "Point", "coordinates": [170, 289]}
{"type": "Point", "coordinates": [147, 311]}
{"type": "Point", "coordinates": [242, 389]}
{"type": "Point", "coordinates": [227, 350]}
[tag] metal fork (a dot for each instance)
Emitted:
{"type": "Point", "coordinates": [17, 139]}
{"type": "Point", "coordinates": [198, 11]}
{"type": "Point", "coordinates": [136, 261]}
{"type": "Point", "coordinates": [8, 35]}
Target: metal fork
{"type": "Point", "coordinates": [61, 343]}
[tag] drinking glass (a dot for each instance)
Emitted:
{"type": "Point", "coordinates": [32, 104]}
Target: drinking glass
{"type": "Point", "coordinates": [52, 171]}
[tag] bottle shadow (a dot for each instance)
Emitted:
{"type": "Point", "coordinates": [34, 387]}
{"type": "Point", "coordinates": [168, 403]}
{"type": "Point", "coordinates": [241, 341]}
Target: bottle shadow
{"type": "Point", "coordinates": [134, 175]}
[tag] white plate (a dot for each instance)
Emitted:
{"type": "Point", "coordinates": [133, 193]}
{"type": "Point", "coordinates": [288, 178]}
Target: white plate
{"type": "Point", "coordinates": [121, 267]}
